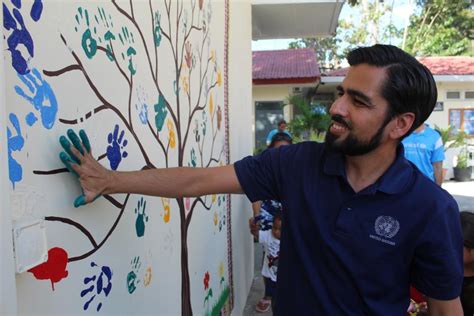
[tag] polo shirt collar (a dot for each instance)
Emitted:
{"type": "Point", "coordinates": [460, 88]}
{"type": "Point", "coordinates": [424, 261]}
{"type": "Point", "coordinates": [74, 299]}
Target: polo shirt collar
{"type": "Point", "coordinates": [393, 181]}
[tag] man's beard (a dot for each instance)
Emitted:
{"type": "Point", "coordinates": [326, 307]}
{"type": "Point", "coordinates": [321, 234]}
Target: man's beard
{"type": "Point", "coordinates": [352, 146]}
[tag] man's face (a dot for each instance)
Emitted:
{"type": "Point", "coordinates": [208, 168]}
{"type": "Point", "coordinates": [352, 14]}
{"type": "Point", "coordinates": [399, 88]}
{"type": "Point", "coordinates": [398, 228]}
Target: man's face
{"type": "Point", "coordinates": [360, 114]}
{"type": "Point", "coordinates": [282, 127]}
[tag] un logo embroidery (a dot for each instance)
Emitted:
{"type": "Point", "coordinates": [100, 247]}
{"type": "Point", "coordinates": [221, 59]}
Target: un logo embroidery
{"type": "Point", "coordinates": [386, 226]}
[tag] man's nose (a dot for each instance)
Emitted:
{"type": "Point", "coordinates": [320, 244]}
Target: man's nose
{"type": "Point", "coordinates": [339, 107]}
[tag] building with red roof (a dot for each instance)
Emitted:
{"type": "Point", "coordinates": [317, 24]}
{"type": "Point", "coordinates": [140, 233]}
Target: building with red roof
{"type": "Point", "coordinates": [277, 74]}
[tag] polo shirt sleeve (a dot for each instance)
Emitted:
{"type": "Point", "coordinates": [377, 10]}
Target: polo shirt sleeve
{"type": "Point", "coordinates": [259, 175]}
{"type": "Point", "coordinates": [438, 152]}
{"type": "Point", "coordinates": [437, 270]}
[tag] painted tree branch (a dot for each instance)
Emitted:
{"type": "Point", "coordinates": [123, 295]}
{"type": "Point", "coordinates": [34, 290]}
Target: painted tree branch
{"type": "Point", "coordinates": [108, 104]}
{"type": "Point", "coordinates": [74, 224]}
{"type": "Point", "coordinates": [89, 253]}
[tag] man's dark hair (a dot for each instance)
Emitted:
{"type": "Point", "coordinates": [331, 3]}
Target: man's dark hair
{"type": "Point", "coordinates": [409, 86]}
{"type": "Point", "coordinates": [467, 224]}
{"type": "Point", "coordinates": [281, 122]}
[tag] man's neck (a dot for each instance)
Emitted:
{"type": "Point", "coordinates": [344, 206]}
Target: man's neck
{"type": "Point", "coordinates": [365, 170]}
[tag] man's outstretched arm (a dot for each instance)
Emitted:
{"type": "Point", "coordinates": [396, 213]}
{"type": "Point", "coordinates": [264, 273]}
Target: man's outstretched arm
{"type": "Point", "coordinates": [170, 182]}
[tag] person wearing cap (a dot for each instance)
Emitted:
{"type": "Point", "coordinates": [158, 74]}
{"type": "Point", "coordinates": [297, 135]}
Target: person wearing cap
{"type": "Point", "coordinates": [361, 224]}
{"type": "Point", "coordinates": [281, 129]}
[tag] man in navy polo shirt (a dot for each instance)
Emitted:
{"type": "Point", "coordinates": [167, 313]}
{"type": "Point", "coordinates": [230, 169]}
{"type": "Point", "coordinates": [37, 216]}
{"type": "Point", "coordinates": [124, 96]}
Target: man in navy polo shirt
{"type": "Point", "coordinates": [361, 223]}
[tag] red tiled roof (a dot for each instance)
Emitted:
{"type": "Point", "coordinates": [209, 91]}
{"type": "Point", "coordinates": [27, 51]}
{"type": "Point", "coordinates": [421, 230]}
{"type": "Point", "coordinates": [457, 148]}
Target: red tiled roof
{"type": "Point", "coordinates": [439, 66]}
{"type": "Point", "coordinates": [289, 64]}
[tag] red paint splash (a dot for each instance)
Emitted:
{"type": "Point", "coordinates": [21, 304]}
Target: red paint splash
{"type": "Point", "coordinates": [54, 269]}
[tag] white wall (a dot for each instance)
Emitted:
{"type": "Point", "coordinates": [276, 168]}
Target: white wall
{"type": "Point", "coordinates": [7, 272]}
{"type": "Point", "coordinates": [441, 118]}
{"type": "Point", "coordinates": [240, 95]}
{"type": "Point", "coordinates": [102, 235]}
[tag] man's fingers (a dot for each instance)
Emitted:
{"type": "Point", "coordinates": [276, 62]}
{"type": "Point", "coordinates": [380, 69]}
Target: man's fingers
{"type": "Point", "coordinates": [75, 141]}
{"type": "Point", "coordinates": [80, 200]}
{"type": "Point", "coordinates": [65, 158]}
{"type": "Point", "coordinates": [67, 147]}
{"type": "Point", "coordinates": [85, 140]}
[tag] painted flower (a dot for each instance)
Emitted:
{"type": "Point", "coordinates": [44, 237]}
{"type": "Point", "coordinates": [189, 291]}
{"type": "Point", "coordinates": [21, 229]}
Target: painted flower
{"type": "Point", "coordinates": [215, 218]}
{"type": "Point", "coordinates": [207, 277]}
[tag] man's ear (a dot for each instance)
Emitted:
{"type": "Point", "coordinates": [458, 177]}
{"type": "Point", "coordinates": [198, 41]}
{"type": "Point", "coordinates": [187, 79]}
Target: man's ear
{"type": "Point", "coordinates": [402, 124]}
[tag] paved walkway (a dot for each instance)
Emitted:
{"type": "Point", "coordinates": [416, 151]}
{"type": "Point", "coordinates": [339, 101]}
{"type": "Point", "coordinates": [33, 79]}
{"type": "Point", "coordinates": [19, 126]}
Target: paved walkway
{"type": "Point", "coordinates": [463, 192]}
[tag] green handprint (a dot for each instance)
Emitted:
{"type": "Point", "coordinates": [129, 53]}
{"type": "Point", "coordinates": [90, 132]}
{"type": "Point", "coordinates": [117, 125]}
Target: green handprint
{"type": "Point", "coordinates": [161, 112]}
{"type": "Point", "coordinates": [127, 37]}
{"type": "Point", "coordinates": [90, 36]}
{"type": "Point", "coordinates": [69, 158]}
{"type": "Point", "coordinates": [132, 276]}
{"type": "Point", "coordinates": [157, 29]}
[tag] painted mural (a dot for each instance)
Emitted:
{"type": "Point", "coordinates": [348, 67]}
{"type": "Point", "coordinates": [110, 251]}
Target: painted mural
{"type": "Point", "coordinates": [147, 81]}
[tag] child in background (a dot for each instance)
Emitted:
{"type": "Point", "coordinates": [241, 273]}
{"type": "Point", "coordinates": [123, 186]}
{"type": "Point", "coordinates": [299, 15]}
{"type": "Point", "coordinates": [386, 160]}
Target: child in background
{"type": "Point", "coordinates": [264, 211]}
{"type": "Point", "coordinates": [467, 294]}
{"type": "Point", "coordinates": [270, 239]}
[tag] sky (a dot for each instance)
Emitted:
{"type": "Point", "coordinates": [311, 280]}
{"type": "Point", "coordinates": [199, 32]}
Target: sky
{"type": "Point", "coordinates": [401, 11]}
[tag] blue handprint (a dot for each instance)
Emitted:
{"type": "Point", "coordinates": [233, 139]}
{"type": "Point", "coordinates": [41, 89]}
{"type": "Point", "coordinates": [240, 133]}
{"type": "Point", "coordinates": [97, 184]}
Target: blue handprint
{"type": "Point", "coordinates": [43, 98]}
{"type": "Point", "coordinates": [142, 218]}
{"type": "Point", "coordinates": [15, 143]}
{"type": "Point", "coordinates": [114, 150]}
{"type": "Point", "coordinates": [101, 283]}
{"type": "Point", "coordinates": [143, 109]}
{"type": "Point", "coordinates": [20, 35]}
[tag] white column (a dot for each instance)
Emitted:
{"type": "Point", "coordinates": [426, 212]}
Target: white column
{"type": "Point", "coordinates": [7, 271]}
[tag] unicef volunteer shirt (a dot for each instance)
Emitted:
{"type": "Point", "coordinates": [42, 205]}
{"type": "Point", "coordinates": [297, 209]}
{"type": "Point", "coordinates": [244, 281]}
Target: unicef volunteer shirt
{"type": "Point", "coordinates": [347, 253]}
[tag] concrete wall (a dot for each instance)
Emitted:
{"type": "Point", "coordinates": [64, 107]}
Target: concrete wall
{"type": "Point", "coordinates": [240, 95]}
{"type": "Point", "coordinates": [94, 67]}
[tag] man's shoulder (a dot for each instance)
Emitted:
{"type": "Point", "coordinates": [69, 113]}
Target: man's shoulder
{"type": "Point", "coordinates": [304, 149]}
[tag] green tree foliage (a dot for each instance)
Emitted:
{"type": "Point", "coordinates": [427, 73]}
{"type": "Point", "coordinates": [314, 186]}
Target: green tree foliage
{"type": "Point", "coordinates": [441, 27]}
{"type": "Point", "coordinates": [312, 119]}
{"type": "Point", "coordinates": [370, 23]}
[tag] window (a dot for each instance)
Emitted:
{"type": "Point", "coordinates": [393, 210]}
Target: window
{"type": "Point", "coordinates": [462, 119]}
{"type": "Point", "coordinates": [469, 95]}
{"type": "Point", "coordinates": [453, 95]}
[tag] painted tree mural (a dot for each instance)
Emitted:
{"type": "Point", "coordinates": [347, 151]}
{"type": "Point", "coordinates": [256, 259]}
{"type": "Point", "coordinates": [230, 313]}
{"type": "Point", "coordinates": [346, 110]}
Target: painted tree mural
{"type": "Point", "coordinates": [169, 89]}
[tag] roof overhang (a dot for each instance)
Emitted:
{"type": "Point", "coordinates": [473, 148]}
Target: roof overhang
{"type": "Point", "coordinates": [300, 81]}
{"type": "Point", "coordinates": [278, 19]}
{"type": "Point", "coordinates": [437, 78]}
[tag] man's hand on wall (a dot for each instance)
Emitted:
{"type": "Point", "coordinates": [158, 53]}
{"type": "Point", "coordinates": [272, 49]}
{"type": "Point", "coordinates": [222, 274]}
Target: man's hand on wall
{"type": "Point", "coordinates": [78, 159]}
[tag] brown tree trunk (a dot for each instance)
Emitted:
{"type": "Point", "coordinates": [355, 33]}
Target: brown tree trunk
{"type": "Point", "coordinates": [186, 309]}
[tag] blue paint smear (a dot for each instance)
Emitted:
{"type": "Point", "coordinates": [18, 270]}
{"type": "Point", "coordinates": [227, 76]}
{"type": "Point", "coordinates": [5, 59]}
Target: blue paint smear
{"type": "Point", "coordinates": [31, 119]}
{"type": "Point", "coordinates": [42, 96]}
{"type": "Point", "coordinates": [15, 143]}
{"type": "Point", "coordinates": [114, 150]}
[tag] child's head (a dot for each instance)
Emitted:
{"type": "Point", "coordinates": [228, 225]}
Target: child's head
{"type": "Point", "coordinates": [467, 223]}
{"type": "Point", "coordinates": [276, 228]}
{"type": "Point", "coordinates": [280, 139]}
